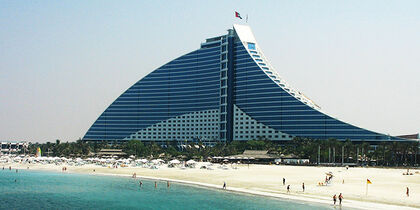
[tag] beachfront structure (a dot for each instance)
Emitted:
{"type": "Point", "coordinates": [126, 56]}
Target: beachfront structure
{"type": "Point", "coordinates": [224, 91]}
{"type": "Point", "coordinates": [8, 147]}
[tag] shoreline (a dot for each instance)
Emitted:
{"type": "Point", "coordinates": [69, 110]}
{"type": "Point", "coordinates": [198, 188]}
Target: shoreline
{"type": "Point", "coordinates": [294, 197]}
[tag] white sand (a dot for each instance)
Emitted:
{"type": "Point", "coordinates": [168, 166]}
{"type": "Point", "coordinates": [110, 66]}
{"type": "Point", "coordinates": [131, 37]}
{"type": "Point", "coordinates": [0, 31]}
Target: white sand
{"type": "Point", "coordinates": [386, 192]}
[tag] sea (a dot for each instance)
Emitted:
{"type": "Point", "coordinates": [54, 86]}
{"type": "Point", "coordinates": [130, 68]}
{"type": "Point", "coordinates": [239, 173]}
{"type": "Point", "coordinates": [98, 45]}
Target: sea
{"type": "Point", "coordinates": [30, 189]}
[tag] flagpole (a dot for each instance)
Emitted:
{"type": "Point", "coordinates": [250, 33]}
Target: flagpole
{"type": "Point", "coordinates": [367, 188]}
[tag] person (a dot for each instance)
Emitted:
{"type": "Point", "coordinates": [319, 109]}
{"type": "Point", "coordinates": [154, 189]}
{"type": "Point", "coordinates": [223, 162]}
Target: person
{"type": "Point", "coordinates": [141, 183]}
{"type": "Point", "coordinates": [340, 198]}
{"type": "Point", "coordinates": [3, 167]}
{"type": "Point", "coordinates": [224, 185]}
{"type": "Point", "coordinates": [408, 192]}
{"type": "Point", "coordinates": [155, 184]}
{"type": "Point", "coordinates": [10, 168]}
{"type": "Point", "coordinates": [15, 180]}
{"type": "Point", "coordinates": [288, 188]}
{"type": "Point", "coordinates": [335, 199]}
{"type": "Point", "coordinates": [94, 170]}
{"type": "Point", "coordinates": [343, 181]}
{"type": "Point", "coordinates": [167, 184]}
{"type": "Point", "coordinates": [134, 175]}
{"type": "Point", "coordinates": [16, 170]}
{"type": "Point", "coordinates": [303, 186]}
{"type": "Point", "coordinates": [284, 181]}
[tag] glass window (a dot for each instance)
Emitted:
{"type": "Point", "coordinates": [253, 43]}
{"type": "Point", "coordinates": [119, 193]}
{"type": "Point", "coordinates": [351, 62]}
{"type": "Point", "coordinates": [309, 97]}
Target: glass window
{"type": "Point", "coordinates": [251, 46]}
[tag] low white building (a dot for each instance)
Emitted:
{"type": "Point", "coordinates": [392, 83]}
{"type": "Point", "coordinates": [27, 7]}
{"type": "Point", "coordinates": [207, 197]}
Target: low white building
{"type": "Point", "coordinates": [8, 147]}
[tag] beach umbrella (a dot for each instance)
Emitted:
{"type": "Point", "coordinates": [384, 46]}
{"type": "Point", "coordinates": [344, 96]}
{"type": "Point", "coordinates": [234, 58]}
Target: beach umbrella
{"type": "Point", "coordinates": [141, 160]}
{"type": "Point", "coordinates": [154, 161]}
{"type": "Point", "coordinates": [191, 162]}
{"type": "Point", "coordinates": [175, 161]}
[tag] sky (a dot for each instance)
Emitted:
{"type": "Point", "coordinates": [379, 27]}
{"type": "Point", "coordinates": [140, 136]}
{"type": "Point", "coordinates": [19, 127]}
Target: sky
{"type": "Point", "coordinates": [62, 63]}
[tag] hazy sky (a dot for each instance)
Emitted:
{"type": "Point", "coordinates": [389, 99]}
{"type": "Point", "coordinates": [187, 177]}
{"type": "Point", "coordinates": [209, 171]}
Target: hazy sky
{"type": "Point", "coordinates": [63, 62]}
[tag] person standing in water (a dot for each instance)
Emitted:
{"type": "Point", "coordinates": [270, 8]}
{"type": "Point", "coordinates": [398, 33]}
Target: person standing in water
{"type": "Point", "coordinates": [155, 184]}
{"type": "Point", "coordinates": [335, 199]}
{"type": "Point", "coordinates": [288, 188]}
{"type": "Point", "coordinates": [141, 184]}
{"type": "Point", "coordinates": [340, 198]}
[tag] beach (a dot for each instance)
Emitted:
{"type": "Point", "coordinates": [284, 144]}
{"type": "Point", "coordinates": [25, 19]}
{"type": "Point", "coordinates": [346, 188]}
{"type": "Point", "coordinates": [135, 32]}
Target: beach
{"type": "Point", "coordinates": [387, 191]}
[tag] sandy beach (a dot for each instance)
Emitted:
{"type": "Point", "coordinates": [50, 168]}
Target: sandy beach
{"type": "Point", "coordinates": [387, 190]}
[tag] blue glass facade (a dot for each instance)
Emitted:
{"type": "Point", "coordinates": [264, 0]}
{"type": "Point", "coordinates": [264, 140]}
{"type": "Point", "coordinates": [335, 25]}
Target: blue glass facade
{"type": "Point", "coordinates": [187, 84]}
{"type": "Point", "coordinates": [226, 72]}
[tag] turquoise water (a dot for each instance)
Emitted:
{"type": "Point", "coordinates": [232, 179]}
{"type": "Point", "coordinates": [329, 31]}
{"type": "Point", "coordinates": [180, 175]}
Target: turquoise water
{"type": "Point", "coordinates": [48, 190]}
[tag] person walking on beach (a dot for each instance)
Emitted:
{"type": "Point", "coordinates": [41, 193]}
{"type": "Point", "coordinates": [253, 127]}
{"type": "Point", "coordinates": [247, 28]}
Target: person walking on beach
{"type": "Point", "coordinates": [340, 198]}
{"type": "Point", "coordinates": [224, 185]}
{"type": "Point", "coordinates": [303, 186]}
{"type": "Point", "coordinates": [284, 181]}
{"type": "Point", "coordinates": [335, 199]}
{"type": "Point", "coordinates": [288, 188]}
{"type": "Point", "coordinates": [408, 192]}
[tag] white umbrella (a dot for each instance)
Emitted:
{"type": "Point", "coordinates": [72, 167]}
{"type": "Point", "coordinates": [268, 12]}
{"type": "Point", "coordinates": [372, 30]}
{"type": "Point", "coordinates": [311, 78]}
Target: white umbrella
{"type": "Point", "coordinates": [191, 162]}
{"type": "Point", "coordinates": [142, 160]}
{"type": "Point", "coordinates": [175, 161]}
{"type": "Point", "coordinates": [154, 161]}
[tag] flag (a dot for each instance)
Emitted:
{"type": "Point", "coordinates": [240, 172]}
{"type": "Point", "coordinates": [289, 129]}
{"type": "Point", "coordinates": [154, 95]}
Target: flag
{"type": "Point", "coordinates": [238, 15]}
{"type": "Point", "coordinates": [368, 181]}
